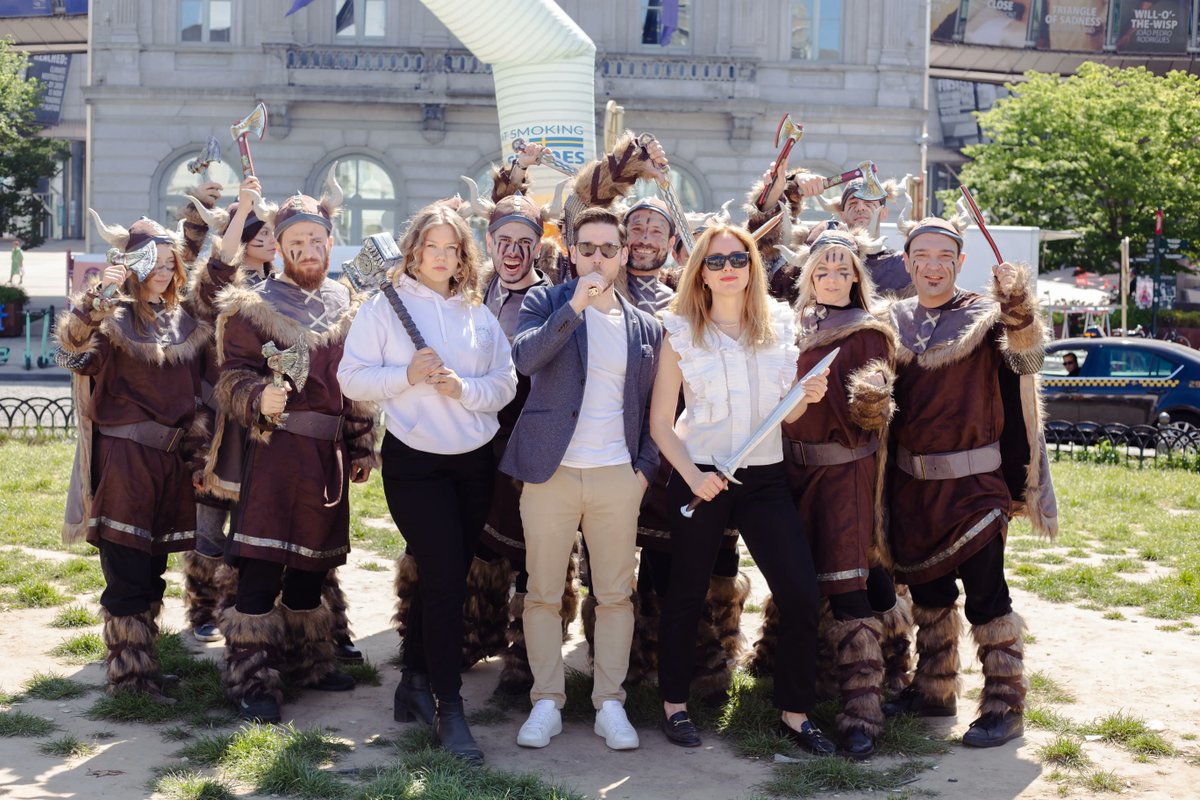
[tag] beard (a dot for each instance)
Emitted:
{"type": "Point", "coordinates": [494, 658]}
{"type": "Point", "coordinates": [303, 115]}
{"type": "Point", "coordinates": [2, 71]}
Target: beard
{"type": "Point", "coordinates": [307, 275]}
{"type": "Point", "coordinates": [647, 262]}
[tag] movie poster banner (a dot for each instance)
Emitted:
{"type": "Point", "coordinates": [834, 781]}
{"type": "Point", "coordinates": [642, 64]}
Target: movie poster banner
{"type": "Point", "coordinates": [1076, 25]}
{"type": "Point", "coordinates": [944, 20]}
{"type": "Point", "coordinates": [1153, 26]}
{"type": "Point", "coordinates": [1000, 23]}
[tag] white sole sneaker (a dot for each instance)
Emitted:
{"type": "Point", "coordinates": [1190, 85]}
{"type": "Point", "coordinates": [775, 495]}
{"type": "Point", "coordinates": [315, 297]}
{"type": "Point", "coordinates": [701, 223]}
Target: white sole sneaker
{"type": "Point", "coordinates": [539, 737]}
{"type": "Point", "coordinates": [628, 744]}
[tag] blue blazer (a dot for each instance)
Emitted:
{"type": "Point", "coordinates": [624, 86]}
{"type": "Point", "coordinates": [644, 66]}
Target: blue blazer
{"type": "Point", "coordinates": [551, 348]}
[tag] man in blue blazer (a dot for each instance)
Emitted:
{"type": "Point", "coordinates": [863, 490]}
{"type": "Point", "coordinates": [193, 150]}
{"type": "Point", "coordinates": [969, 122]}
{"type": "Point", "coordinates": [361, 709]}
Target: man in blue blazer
{"type": "Point", "coordinates": [582, 447]}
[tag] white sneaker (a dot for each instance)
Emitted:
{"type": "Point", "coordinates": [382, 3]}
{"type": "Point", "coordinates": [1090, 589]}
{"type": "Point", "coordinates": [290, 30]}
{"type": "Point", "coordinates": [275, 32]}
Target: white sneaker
{"type": "Point", "coordinates": [613, 725]}
{"type": "Point", "coordinates": [544, 721]}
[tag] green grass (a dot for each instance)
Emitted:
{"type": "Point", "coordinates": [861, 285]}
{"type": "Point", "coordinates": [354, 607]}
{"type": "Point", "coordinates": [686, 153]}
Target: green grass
{"type": "Point", "coordinates": [366, 673]}
{"type": "Point", "coordinates": [67, 746]}
{"type": "Point", "coordinates": [1130, 733]}
{"type": "Point", "coordinates": [37, 594]}
{"type": "Point", "coordinates": [19, 723]}
{"type": "Point", "coordinates": [275, 759]}
{"type": "Point", "coordinates": [198, 692]}
{"type": "Point", "coordinates": [1065, 751]}
{"type": "Point", "coordinates": [490, 715]}
{"type": "Point", "coordinates": [32, 512]}
{"type": "Point", "coordinates": [82, 648]}
{"type": "Point", "coordinates": [52, 686]}
{"type": "Point", "coordinates": [374, 566]}
{"type": "Point", "coordinates": [1044, 689]}
{"type": "Point", "coordinates": [371, 526]}
{"type": "Point", "coordinates": [75, 617]}
{"type": "Point", "coordinates": [1116, 510]}
{"type": "Point", "coordinates": [184, 784]}
{"type": "Point", "coordinates": [816, 775]}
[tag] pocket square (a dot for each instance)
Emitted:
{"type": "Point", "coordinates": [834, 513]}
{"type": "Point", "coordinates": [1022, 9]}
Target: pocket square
{"type": "Point", "coordinates": [647, 351]}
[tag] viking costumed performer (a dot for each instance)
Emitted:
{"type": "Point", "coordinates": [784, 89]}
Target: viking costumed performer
{"type": "Point", "coordinates": [732, 351]}
{"type": "Point", "coordinates": [135, 352]}
{"type": "Point", "coordinates": [969, 454]}
{"type": "Point", "coordinates": [208, 582]}
{"type": "Point", "coordinates": [834, 470]}
{"type": "Point", "coordinates": [279, 345]}
{"type": "Point", "coordinates": [441, 397]}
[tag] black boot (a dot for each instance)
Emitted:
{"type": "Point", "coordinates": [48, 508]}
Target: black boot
{"type": "Point", "coordinates": [994, 729]}
{"type": "Point", "coordinates": [451, 731]}
{"type": "Point", "coordinates": [413, 699]}
{"type": "Point", "coordinates": [911, 701]}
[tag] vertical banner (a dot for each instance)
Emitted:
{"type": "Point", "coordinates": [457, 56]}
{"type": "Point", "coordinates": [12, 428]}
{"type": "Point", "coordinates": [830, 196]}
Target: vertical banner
{"type": "Point", "coordinates": [1144, 293]}
{"type": "Point", "coordinates": [1000, 23]}
{"type": "Point", "coordinates": [1153, 26]}
{"type": "Point", "coordinates": [943, 20]}
{"type": "Point", "coordinates": [1077, 25]}
{"type": "Point", "coordinates": [50, 69]}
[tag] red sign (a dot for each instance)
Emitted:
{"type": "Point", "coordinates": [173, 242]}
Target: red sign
{"type": "Point", "coordinates": [1158, 222]}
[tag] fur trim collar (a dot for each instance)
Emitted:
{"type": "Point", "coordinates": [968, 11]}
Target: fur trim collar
{"type": "Point", "coordinates": [178, 337]}
{"type": "Point", "coordinates": [852, 324]}
{"type": "Point", "coordinates": [962, 326]}
{"type": "Point", "coordinates": [254, 304]}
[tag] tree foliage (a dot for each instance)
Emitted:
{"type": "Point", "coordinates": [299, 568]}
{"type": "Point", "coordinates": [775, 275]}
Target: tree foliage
{"type": "Point", "coordinates": [1097, 153]}
{"type": "Point", "coordinates": [25, 156]}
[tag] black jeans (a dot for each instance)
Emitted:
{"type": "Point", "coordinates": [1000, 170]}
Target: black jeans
{"type": "Point", "coordinates": [439, 503]}
{"type": "Point", "coordinates": [260, 582]}
{"type": "Point", "coordinates": [132, 579]}
{"type": "Point", "coordinates": [983, 580]}
{"type": "Point", "coordinates": [761, 509]}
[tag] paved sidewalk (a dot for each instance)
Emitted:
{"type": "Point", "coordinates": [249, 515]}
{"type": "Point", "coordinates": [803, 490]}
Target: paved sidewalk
{"type": "Point", "coordinates": [46, 284]}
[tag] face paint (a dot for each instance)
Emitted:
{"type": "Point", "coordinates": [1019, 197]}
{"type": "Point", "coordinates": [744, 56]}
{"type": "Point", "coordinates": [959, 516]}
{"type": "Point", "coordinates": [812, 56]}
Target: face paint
{"type": "Point", "coordinates": [515, 258]}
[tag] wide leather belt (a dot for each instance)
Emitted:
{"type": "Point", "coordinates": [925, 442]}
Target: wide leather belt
{"type": "Point", "coordinates": [827, 454]}
{"type": "Point", "coordinates": [314, 425]}
{"type": "Point", "coordinates": [148, 433]}
{"type": "Point", "coordinates": [946, 466]}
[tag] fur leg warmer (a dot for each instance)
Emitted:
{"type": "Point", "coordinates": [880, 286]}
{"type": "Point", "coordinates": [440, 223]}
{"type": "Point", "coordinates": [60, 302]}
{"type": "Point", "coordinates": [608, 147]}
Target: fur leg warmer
{"type": "Point", "coordinates": [132, 665]}
{"type": "Point", "coordinates": [1001, 649]}
{"type": "Point", "coordinates": [643, 650]}
{"type": "Point", "coordinates": [201, 593]}
{"type": "Point", "coordinates": [860, 675]}
{"type": "Point", "coordinates": [485, 610]}
{"type": "Point", "coordinates": [570, 599]}
{"type": "Point", "coordinates": [335, 600]}
{"type": "Point", "coordinates": [897, 625]}
{"type": "Point", "coordinates": [252, 645]}
{"type": "Point", "coordinates": [762, 659]}
{"type": "Point", "coordinates": [721, 644]}
{"type": "Point", "coordinates": [516, 678]}
{"type": "Point", "coordinates": [406, 590]}
{"type": "Point", "coordinates": [938, 631]}
{"type": "Point", "coordinates": [307, 644]}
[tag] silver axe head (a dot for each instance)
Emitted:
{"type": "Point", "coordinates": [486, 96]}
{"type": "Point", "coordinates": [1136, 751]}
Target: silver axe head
{"type": "Point", "coordinates": [140, 262]}
{"type": "Point", "coordinates": [370, 266]}
{"type": "Point", "coordinates": [208, 154]}
{"type": "Point", "coordinates": [290, 363]}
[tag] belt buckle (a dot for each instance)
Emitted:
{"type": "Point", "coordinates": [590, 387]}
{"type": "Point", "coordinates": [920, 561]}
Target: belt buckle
{"type": "Point", "coordinates": [175, 437]}
{"type": "Point", "coordinates": [341, 423]}
{"type": "Point", "coordinates": [919, 461]}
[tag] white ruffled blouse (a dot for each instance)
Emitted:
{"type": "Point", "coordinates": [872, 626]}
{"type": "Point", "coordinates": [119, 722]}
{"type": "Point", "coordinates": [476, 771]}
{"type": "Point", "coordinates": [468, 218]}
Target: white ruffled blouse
{"type": "Point", "coordinates": [729, 388]}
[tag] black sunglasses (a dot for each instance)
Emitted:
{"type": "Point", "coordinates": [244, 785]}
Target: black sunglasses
{"type": "Point", "coordinates": [608, 249]}
{"type": "Point", "coordinates": [736, 260]}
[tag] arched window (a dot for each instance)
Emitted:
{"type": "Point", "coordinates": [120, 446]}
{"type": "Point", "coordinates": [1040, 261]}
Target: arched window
{"type": "Point", "coordinates": [176, 180]}
{"type": "Point", "coordinates": [370, 206]}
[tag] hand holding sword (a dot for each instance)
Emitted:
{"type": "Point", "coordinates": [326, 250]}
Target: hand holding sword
{"type": "Point", "coordinates": [810, 389]}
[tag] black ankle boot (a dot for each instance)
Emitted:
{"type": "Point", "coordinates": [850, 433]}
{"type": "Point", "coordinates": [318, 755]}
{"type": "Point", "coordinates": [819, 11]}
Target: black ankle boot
{"type": "Point", "coordinates": [993, 730]}
{"type": "Point", "coordinates": [451, 731]}
{"type": "Point", "coordinates": [413, 699]}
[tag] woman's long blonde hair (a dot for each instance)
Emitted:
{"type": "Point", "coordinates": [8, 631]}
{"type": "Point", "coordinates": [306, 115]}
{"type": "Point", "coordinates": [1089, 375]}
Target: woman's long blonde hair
{"type": "Point", "coordinates": [466, 280]}
{"type": "Point", "coordinates": [693, 299]}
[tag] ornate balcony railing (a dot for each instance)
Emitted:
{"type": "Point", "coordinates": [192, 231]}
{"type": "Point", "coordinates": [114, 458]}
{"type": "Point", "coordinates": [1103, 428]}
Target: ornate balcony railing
{"type": "Point", "coordinates": [683, 68]}
{"type": "Point", "coordinates": [382, 59]}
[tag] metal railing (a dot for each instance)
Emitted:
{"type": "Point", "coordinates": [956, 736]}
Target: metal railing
{"type": "Point", "coordinates": [36, 417]}
{"type": "Point", "coordinates": [1122, 444]}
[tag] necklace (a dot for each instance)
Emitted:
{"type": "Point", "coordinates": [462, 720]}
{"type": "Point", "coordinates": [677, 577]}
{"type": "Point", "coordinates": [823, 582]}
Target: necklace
{"type": "Point", "coordinates": [733, 324]}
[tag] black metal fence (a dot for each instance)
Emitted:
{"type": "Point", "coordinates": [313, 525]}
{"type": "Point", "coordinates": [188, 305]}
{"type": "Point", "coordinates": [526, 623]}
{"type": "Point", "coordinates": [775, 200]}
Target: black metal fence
{"type": "Point", "coordinates": [36, 417]}
{"type": "Point", "coordinates": [1177, 444]}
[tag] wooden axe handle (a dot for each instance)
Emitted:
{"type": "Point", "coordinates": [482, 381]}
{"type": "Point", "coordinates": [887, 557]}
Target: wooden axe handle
{"type": "Point", "coordinates": [783, 154]}
{"type": "Point", "coordinates": [244, 148]}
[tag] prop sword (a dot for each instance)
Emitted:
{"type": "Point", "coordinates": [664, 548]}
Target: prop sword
{"type": "Point", "coordinates": [668, 192]}
{"type": "Point", "coordinates": [978, 218]}
{"type": "Point", "coordinates": [547, 159]}
{"type": "Point", "coordinates": [769, 425]}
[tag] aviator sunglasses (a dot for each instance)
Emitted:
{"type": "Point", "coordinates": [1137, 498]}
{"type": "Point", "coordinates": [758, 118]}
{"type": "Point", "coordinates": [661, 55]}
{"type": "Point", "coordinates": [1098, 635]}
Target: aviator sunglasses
{"type": "Point", "coordinates": [608, 249]}
{"type": "Point", "coordinates": [736, 260]}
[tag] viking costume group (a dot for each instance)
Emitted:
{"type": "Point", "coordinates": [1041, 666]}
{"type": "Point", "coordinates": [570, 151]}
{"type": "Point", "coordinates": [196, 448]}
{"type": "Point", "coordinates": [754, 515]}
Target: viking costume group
{"type": "Point", "coordinates": [611, 399]}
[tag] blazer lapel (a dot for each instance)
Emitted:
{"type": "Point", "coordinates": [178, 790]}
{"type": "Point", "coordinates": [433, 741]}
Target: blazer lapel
{"type": "Point", "coordinates": [581, 331]}
{"type": "Point", "coordinates": [633, 354]}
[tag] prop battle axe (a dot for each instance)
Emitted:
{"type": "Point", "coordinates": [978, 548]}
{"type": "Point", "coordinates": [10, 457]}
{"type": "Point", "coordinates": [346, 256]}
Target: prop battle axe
{"type": "Point", "coordinates": [792, 132]}
{"type": "Point", "coordinates": [368, 270]}
{"type": "Point", "coordinates": [254, 123]}
{"type": "Point", "coordinates": [208, 154]}
{"type": "Point", "coordinates": [291, 363]}
{"type": "Point", "coordinates": [872, 189]}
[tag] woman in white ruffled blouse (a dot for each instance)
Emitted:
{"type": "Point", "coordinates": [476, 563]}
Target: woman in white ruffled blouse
{"type": "Point", "coordinates": [732, 351]}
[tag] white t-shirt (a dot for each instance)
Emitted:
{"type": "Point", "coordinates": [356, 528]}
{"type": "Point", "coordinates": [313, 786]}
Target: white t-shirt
{"type": "Point", "coordinates": [599, 438]}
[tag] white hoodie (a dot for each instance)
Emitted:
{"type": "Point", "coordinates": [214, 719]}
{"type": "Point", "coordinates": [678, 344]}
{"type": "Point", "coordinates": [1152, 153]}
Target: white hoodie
{"type": "Point", "coordinates": [469, 341]}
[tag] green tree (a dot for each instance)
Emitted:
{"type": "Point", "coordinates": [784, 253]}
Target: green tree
{"type": "Point", "coordinates": [25, 156]}
{"type": "Point", "coordinates": [1097, 153]}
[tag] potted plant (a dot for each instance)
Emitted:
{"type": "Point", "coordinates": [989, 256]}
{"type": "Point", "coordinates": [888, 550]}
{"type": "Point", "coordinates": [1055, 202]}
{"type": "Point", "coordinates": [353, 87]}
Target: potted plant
{"type": "Point", "coordinates": [12, 310]}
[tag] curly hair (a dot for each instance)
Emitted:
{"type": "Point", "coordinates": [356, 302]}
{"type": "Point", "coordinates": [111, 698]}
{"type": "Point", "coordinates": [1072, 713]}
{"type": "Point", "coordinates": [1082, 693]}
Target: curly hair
{"type": "Point", "coordinates": [466, 279]}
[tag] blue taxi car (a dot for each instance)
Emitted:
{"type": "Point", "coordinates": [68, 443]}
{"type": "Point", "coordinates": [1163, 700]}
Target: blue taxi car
{"type": "Point", "coordinates": [1129, 381]}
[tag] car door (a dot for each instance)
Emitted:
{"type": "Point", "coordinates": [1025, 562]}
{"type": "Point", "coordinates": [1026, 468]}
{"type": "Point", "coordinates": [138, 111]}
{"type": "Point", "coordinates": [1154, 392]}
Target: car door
{"type": "Point", "coordinates": [1060, 390]}
{"type": "Point", "coordinates": [1124, 385]}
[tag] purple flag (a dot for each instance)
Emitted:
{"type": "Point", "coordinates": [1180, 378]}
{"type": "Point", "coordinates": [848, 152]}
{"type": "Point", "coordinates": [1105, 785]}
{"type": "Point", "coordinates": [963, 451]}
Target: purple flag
{"type": "Point", "coordinates": [670, 21]}
{"type": "Point", "coordinates": [296, 6]}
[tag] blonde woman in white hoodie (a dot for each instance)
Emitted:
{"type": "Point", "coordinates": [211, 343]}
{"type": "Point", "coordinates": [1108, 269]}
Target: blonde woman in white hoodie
{"type": "Point", "coordinates": [440, 405]}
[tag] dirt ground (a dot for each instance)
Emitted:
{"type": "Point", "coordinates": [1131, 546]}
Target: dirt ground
{"type": "Point", "coordinates": [1108, 665]}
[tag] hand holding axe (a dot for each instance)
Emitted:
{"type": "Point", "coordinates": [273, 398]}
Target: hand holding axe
{"type": "Point", "coordinates": [873, 189]}
{"type": "Point", "coordinates": [290, 363]}
{"type": "Point", "coordinates": [792, 133]}
{"type": "Point", "coordinates": [254, 123]}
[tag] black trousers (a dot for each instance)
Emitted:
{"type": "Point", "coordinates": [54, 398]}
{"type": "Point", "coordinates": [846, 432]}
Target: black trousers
{"type": "Point", "coordinates": [260, 582]}
{"type": "Point", "coordinates": [983, 580]}
{"type": "Point", "coordinates": [761, 509]}
{"type": "Point", "coordinates": [132, 579]}
{"type": "Point", "coordinates": [439, 503]}
{"type": "Point", "coordinates": [877, 598]}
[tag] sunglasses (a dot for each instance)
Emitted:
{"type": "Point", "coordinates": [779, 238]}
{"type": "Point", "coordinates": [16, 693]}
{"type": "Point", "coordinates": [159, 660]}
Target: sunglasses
{"type": "Point", "coordinates": [608, 249]}
{"type": "Point", "coordinates": [735, 260]}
